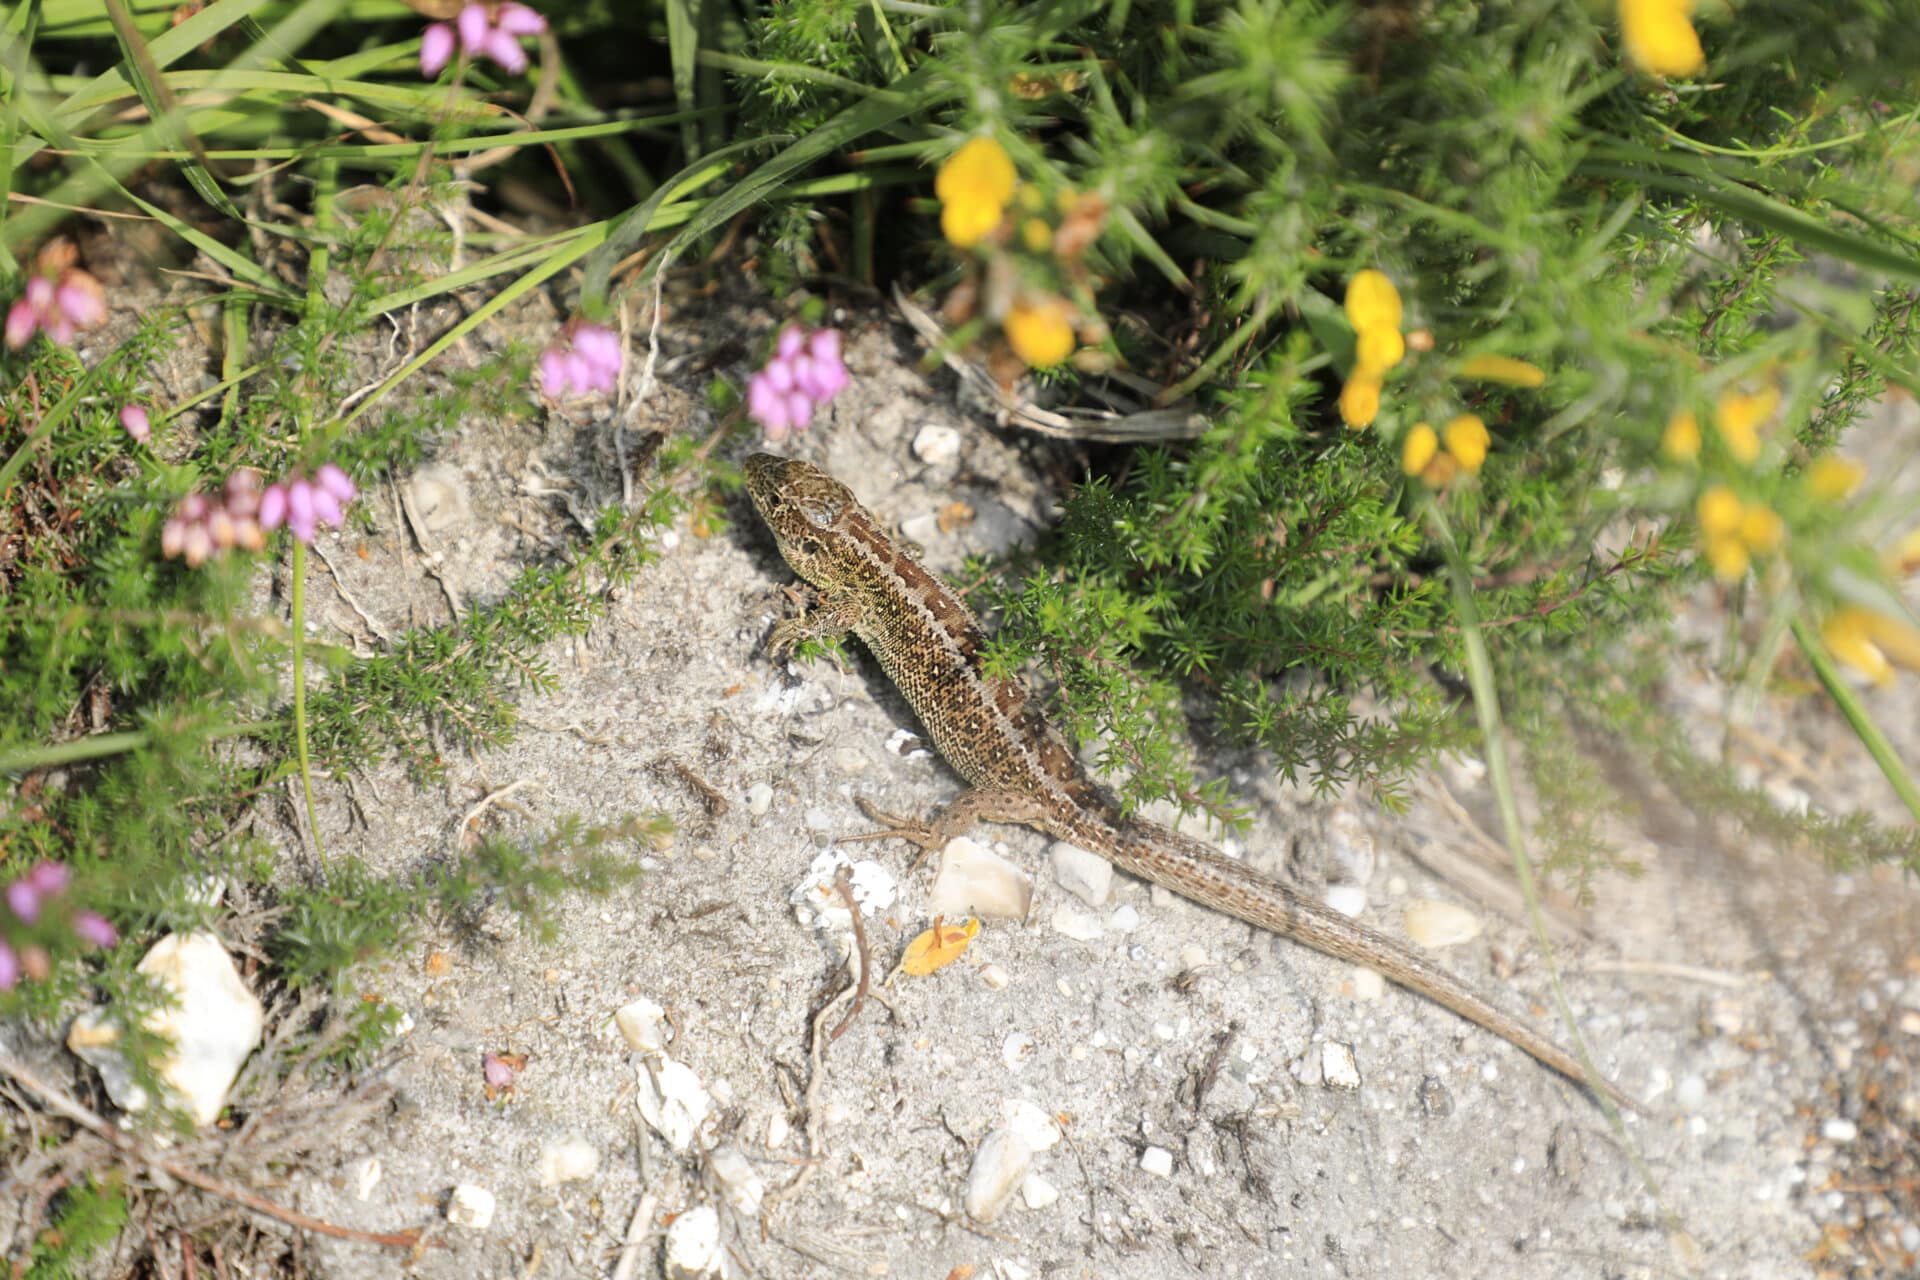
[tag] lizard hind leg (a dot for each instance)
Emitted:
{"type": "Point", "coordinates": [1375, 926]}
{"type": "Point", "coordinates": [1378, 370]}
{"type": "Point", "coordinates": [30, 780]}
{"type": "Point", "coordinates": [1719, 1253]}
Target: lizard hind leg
{"type": "Point", "coordinates": [968, 810]}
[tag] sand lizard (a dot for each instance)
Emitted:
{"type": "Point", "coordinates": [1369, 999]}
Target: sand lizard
{"type": "Point", "coordinates": [1018, 766]}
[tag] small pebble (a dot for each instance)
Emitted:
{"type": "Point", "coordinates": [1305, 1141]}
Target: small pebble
{"type": "Point", "coordinates": [999, 1167]}
{"type": "Point", "coordinates": [471, 1206]}
{"type": "Point", "coordinates": [438, 496]}
{"type": "Point", "coordinates": [936, 444]}
{"type": "Point", "coordinates": [1157, 1161]}
{"type": "Point", "coordinates": [973, 880]}
{"type": "Point", "coordinates": [643, 1025]}
{"type": "Point", "coordinates": [1077, 923]}
{"type": "Point", "coordinates": [1348, 899]}
{"type": "Point", "coordinates": [1440, 924]}
{"type": "Point", "coordinates": [1087, 876]}
{"type": "Point", "coordinates": [1910, 1022]}
{"type": "Point", "coordinates": [739, 1181]}
{"type": "Point", "coordinates": [1839, 1130]}
{"type": "Point", "coordinates": [1017, 1050]}
{"type": "Point", "coordinates": [1337, 1067]}
{"type": "Point", "coordinates": [995, 976]}
{"type": "Point", "coordinates": [1194, 956]}
{"type": "Point", "coordinates": [759, 799]}
{"type": "Point", "coordinates": [1369, 985]}
{"type": "Point", "coordinates": [366, 1176]}
{"type": "Point", "coordinates": [1125, 920]}
{"type": "Point", "coordinates": [692, 1250]}
{"type": "Point", "coordinates": [569, 1160]}
{"type": "Point", "coordinates": [1349, 844]}
{"type": "Point", "coordinates": [1690, 1092]}
{"type": "Point", "coordinates": [1037, 1193]}
{"type": "Point", "coordinates": [1034, 1126]}
{"type": "Point", "coordinates": [672, 1100]}
{"type": "Point", "coordinates": [777, 1130]}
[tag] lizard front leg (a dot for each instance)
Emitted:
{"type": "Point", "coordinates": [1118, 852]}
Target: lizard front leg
{"type": "Point", "coordinates": [829, 619]}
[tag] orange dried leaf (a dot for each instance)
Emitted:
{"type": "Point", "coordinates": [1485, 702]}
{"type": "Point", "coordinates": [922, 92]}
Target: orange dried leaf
{"type": "Point", "coordinates": [938, 947]}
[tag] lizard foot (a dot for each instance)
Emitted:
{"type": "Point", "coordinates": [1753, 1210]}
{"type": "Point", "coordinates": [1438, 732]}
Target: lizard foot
{"type": "Point", "coordinates": [920, 834]}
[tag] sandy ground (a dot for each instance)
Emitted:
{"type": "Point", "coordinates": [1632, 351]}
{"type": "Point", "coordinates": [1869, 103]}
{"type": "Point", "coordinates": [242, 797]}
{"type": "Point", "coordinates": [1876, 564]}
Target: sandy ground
{"type": "Point", "coordinates": [1196, 1067]}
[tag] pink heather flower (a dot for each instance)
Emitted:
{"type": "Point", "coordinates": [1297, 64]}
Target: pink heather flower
{"type": "Point", "coordinates": [584, 358]}
{"type": "Point", "coordinates": [24, 901]}
{"type": "Point", "coordinates": [498, 1073]}
{"type": "Point", "coordinates": [49, 879]}
{"type": "Point", "coordinates": [92, 927]}
{"type": "Point", "coordinates": [201, 528]}
{"type": "Point", "coordinates": [59, 298]}
{"type": "Point", "coordinates": [304, 504]}
{"type": "Point", "coordinates": [436, 50]}
{"type": "Point", "coordinates": [482, 31]}
{"type": "Point", "coordinates": [9, 967]}
{"type": "Point", "coordinates": [138, 425]}
{"type": "Point", "coordinates": [806, 371]}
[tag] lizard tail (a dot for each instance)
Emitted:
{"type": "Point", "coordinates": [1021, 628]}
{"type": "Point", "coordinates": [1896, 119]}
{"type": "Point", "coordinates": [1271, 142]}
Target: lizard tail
{"type": "Point", "coordinates": [1204, 875]}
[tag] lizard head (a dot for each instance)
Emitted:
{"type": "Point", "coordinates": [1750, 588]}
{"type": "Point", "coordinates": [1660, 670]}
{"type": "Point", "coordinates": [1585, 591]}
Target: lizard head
{"type": "Point", "coordinates": [802, 505]}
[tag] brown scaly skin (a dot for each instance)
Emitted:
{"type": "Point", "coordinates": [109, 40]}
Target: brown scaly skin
{"type": "Point", "coordinates": [1018, 766]}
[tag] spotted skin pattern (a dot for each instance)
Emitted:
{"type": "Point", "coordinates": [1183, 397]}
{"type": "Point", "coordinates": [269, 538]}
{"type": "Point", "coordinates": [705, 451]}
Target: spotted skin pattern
{"type": "Point", "coordinates": [1018, 766]}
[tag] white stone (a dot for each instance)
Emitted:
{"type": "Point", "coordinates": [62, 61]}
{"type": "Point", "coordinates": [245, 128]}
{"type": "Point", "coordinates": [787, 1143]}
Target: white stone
{"type": "Point", "coordinates": [906, 744]}
{"type": "Point", "coordinates": [1440, 924]}
{"type": "Point", "coordinates": [1368, 985]}
{"type": "Point", "coordinates": [1194, 956]}
{"type": "Point", "coordinates": [1037, 1193]}
{"type": "Point", "coordinates": [438, 496]}
{"type": "Point", "coordinates": [1839, 1130]}
{"type": "Point", "coordinates": [366, 1176]}
{"type": "Point", "coordinates": [1337, 1067]}
{"type": "Point", "coordinates": [759, 799]}
{"type": "Point", "coordinates": [995, 976]}
{"type": "Point", "coordinates": [936, 444]}
{"type": "Point", "coordinates": [1031, 1122]}
{"type": "Point", "coordinates": [1017, 1050]}
{"type": "Point", "coordinates": [643, 1024]}
{"type": "Point", "coordinates": [1087, 876]}
{"type": "Point", "coordinates": [672, 1100]}
{"type": "Point", "coordinates": [817, 898]}
{"type": "Point", "coordinates": [1690, 1092]}
{"type": "Point", "coordinates": [739, 1181]}
{"type": "Point", "coordinates": [471, 1206]}
{"type": "Point", "coordinates": [999, 1167]}
{"type": "Point", "coordinates": [1076, 923]}
{"type": "Point", "coordinates": [692, 1250]}
{"type": "Point", "coordinates": [973, 880]}
{"type": "Point", "coordinates": [777, 1130]}
{"type": "Point", "coordinates": [213, 1024]}
{"type": "Point", "coordinates": [1157, 1161]}
{"type": "Point", "coordinates": [1124, 919]}
{"type": "Point", "coordinates": [569, 1160]}
{"type": "Point", "coordinates": [1348, 899]}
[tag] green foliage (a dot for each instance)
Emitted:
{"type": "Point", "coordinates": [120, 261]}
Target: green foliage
{"type": "Point", "coordinates": [87, 1217]}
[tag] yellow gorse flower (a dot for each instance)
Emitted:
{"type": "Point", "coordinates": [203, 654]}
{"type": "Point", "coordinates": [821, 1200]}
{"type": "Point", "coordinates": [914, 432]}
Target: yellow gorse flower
{"type": "Point", "coordinates": [1733, 531]}
{"type": "Point", "coordinates": [1372, 301]}
{"type": "Point", "coordinates": [974, 185]}
{"type": "Point", "coordinates": [1739, 415]}
{"type": "Point", "coordinates": [1660, 38]}
{"type": "Point", "coordinates": [1871, 642]}
{"type": "Point", "coordinates": [1418, 449]}
{"type": "Point", "coordinates": [1467, 440]}
{"type": "Point", "coordinates": [1834, 479]}
{"type": "Point", "coordinates": [1360, 399]}
{"type": "Point", "coordinates": [1681, 440]}
{"type": "Point", "coordinates": [1040, 330]}
{"type": "Point", "coordinates": [1373, 308]}
{"type": "Point", "coordinates": [1506, 369]}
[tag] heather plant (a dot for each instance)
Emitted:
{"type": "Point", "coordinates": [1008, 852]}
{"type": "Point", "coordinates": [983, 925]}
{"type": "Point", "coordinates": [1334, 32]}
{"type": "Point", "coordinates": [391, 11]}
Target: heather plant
{"type": "Point", "coordinates": [1432, 351]}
